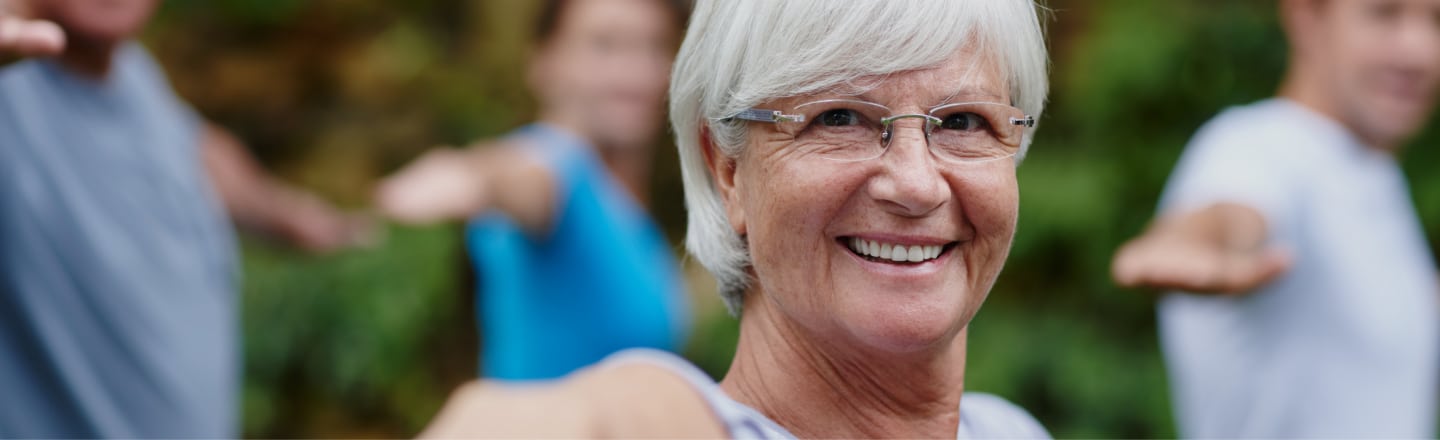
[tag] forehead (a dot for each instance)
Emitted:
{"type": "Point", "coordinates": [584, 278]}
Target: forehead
{"type": "Point", "coordinates": [584, 16]}
{"type": "Point", "coordinates": [967, 75]}
{"type": "Point", "coordinates": [1360, 8]}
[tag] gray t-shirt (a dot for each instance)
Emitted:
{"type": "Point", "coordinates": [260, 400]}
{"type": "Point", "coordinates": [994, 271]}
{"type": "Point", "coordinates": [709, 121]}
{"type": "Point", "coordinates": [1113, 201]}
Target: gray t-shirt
{"type": "Point", "coordinates": [981, 415]}
{"type": "Point", "coordinates": [117, 268]}
{"type": "Point", "coordinates": [1347, 342]}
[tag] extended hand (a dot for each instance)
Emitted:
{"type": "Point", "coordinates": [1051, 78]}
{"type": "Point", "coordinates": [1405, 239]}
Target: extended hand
{"type": "Point", "coordinates": [21, 37]}
{"type": "Point", "coordinates": [312, 224]}
{"type": "Point", "coordinates": [444, 184]}
{"type": "Point", "coordinates": [1218, 250]}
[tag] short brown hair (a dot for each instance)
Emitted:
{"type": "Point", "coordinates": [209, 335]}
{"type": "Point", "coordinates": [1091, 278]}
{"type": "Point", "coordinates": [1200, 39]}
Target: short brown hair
{"type": "Point", "coordinates": [548, 22]}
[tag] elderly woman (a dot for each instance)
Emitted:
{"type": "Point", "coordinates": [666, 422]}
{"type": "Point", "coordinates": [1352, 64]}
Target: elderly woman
{"type": "Point", "coordinates": [850, 175]}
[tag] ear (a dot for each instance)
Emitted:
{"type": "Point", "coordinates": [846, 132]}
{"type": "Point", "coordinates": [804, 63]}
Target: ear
{"type": "Point", "coordinates": [723, 170]}
{"type": "Point", "coordinates": [537, 69]}
{"type": "Point", "coordinates": [1300, 18]}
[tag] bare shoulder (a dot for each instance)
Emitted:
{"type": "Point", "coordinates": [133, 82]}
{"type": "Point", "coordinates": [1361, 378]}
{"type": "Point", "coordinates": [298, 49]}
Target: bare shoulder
{"type": "Point", "coordinates": [642, 399]}
{"type": "Point", "coordinates": [630, 399]}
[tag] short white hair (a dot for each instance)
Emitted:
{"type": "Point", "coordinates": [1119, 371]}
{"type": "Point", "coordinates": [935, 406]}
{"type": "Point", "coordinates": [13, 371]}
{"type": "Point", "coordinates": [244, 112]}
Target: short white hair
{"type": "Point", "coordinates": [740, 53]}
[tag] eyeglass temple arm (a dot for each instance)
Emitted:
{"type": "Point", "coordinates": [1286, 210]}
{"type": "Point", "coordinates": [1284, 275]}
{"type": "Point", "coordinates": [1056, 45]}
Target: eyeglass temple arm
{"type": "Point", "coordinates": [762, 115]}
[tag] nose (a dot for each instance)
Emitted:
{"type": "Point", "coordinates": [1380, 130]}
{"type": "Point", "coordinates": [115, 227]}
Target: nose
{"type": "Point", "coordinates": [910, 185]}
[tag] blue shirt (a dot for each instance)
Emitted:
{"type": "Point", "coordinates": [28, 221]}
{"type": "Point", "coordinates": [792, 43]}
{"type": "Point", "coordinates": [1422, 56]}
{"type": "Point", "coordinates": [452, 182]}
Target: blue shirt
{"type": "Point", "coordinates": [602, 279]}
{"type": "Point", "coordinates": [117, 270]}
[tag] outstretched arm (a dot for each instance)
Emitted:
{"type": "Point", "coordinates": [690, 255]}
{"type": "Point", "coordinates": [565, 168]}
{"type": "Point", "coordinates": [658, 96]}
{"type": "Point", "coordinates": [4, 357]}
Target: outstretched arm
{"type": "Point", "coordinates": [256, 200]}
{"type": "Point", "coordinates": [448, 184]}
{"type": "Point", "coordinates": [624, 401]}
{"type": "Point", "coordinates": [1220, 249]}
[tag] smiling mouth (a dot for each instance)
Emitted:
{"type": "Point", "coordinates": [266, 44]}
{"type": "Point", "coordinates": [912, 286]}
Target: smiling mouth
{"type": "Point", "coordinates": [893, 253]}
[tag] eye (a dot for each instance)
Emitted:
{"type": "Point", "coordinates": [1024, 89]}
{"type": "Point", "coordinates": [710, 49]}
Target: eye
{"type": "Point", "coordinates": [1387, 12]}
{"type": "Point", "coordinates": [963, 121]}
{"type": "Point", "coordinates": [839, 118]}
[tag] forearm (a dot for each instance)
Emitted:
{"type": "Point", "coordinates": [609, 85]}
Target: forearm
{"type": "Point", "coordinates": [451, 184]}
{"type": "Point", "coordinates": [1220, 249]}
{"type": "Point", "coordinates": [252, 197]}
{"type": "Point", "coordinates": [249, 195]}
{"type": "Point", "coordinates": [262, 203]}
{"type": "Point", "coordinates": [1230, 225]}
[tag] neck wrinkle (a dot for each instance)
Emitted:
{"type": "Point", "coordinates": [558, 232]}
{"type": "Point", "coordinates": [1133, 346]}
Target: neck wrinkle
{"type": "Point", "coordinates": [821, 390]}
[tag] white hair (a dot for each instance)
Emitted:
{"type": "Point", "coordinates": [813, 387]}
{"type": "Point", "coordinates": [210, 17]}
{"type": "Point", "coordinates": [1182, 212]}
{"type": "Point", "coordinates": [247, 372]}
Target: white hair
{"type": "Point", "coordinates": [740, 53]}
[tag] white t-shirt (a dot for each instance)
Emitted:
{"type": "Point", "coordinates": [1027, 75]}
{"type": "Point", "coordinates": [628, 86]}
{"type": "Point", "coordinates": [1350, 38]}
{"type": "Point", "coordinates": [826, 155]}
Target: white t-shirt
{"type": "Point", "coordinates": [1344, 344]}
{"type": "Point", "coordinates": [981, 415]}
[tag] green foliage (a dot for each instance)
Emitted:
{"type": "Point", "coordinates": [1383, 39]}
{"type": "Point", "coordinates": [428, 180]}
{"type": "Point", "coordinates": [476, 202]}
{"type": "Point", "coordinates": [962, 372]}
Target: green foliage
{"type": "Point", "coordinates": [356, 335]}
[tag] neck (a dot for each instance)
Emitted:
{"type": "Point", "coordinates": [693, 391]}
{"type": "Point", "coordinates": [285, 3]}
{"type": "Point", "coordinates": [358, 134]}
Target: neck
{"type": "Point", "coordinates": [1312, 93]}
{"type": "Point", "coordinates": [818, 389]}
{"type": "Point", "coordinates": [632, 170]}
{"type": "Point", "coordinates": [88, 59]}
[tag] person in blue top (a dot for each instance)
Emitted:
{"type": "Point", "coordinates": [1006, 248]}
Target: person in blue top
{"type": "Point", "coordinates": [571, 268]}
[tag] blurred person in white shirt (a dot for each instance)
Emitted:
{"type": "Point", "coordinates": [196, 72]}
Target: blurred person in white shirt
{"type": "Point", "coordinates": [1303, 295]}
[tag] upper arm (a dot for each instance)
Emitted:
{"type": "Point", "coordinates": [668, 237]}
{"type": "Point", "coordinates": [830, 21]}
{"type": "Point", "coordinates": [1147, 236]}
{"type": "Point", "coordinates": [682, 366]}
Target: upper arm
{"type": "Point", "coordinates": [621, 401]}
{"type": "Point", "coordinates": [217, 145]}
{"type": "Point", "coordinates": [646, 400]}
{"type": "Point", "coordinates": [1230, 225]}
{"type": "Point", "coordinates": [227, 165]}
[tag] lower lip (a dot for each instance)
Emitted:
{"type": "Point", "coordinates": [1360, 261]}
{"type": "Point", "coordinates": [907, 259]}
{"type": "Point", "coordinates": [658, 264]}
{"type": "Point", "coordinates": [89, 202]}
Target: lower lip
{"type": "Point", "coordinates": [921, 269]}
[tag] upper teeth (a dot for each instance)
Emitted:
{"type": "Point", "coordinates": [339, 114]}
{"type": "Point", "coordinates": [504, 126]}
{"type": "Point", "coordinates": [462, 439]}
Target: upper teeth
{"type": "Point", "coordinates": [894, 252]}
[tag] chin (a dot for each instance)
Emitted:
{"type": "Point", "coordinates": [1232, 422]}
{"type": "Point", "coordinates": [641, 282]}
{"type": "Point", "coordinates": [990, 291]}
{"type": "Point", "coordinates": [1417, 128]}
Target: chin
{"type": "Point", "coordinates": [1390, 121]}
{"type": "Point", "coordinates": [898, 322]}
{"type": "Point", "coordinates": [1391, 133]}
{"type": "Point", "coordinates": [103, 33]}
{"type": "Point", "coordinates": [105, 22]}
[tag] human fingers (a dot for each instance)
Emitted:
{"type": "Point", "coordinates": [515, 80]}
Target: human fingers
{"type": "Point", "coordinates": [20, 38]}
{"type": "Point", "coordinates": [1252, 270]}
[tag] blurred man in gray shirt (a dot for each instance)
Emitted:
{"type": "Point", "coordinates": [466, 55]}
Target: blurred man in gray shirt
{"type": "Point", "coordinates": [117, 263]}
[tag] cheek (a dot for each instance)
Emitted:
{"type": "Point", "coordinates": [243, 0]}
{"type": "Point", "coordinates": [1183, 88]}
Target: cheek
{"type": "Point", "coordinates": [990, 202]}
{"type": "Point", "coordinates": [787, 212]}
{"type": "Point", "coordinates": [990, 199]}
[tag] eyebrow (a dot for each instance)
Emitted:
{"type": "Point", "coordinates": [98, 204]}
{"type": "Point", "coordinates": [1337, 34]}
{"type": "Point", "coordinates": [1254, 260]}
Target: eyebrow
{"type": "Point", "coordinates": [965, 93]}
{"type": "Point", "coordinates": [969, 94]}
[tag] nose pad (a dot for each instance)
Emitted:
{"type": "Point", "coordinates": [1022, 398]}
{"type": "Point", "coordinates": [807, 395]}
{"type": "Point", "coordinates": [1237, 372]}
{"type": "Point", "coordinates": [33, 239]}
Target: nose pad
{"type": "Point", "coordinates": [891, 124]}
{"type": "Point", "coordinates": [911, 185]}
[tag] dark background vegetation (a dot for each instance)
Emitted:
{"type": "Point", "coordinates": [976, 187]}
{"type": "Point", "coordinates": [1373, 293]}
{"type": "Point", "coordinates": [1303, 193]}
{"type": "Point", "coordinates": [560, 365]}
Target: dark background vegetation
{"type": "Point", "coordinates": [333, 94]}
